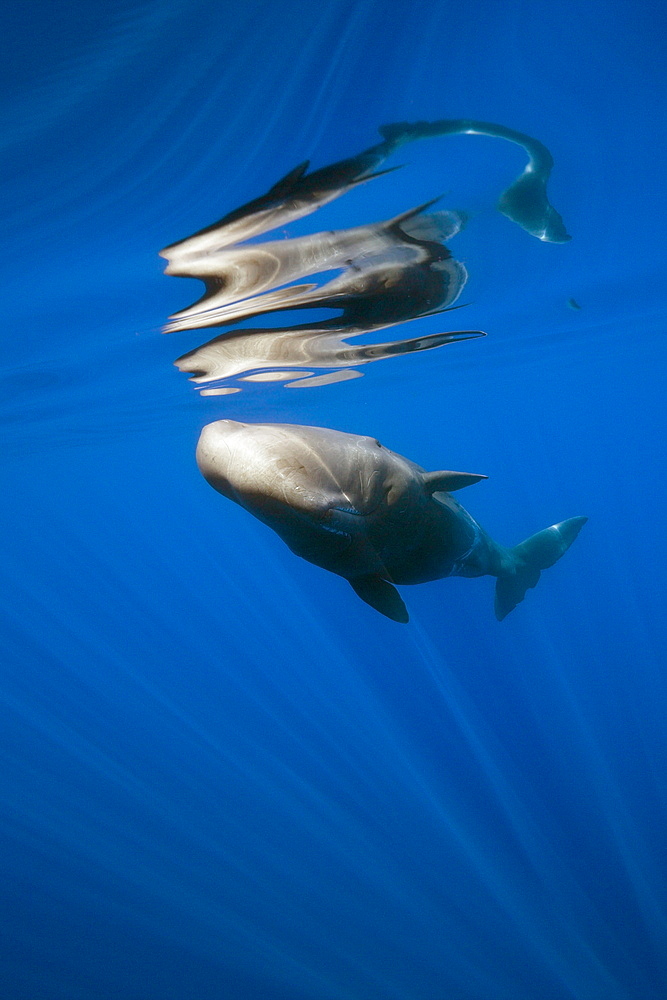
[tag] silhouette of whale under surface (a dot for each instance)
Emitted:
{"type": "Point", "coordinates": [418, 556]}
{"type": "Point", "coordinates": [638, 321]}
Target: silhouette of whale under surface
{"type": "Point", "coordinates": [351, 506]}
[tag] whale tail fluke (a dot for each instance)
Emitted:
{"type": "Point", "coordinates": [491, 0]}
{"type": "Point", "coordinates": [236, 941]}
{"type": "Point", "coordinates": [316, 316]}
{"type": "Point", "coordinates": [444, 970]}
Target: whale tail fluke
{"type": "Point", "coordinates": [529, 558]}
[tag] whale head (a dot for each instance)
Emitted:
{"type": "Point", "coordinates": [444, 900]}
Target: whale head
{"type": "Point", "coordinates": [285, 470]}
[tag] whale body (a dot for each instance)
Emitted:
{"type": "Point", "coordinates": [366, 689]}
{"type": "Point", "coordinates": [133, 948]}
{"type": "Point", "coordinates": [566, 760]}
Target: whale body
{"type": "Point", "coordinates": [355, 508]}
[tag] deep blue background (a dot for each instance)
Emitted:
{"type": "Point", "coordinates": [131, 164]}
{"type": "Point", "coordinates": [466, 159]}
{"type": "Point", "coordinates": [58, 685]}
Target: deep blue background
{"type": "Point", "coordinates": [222, 775]}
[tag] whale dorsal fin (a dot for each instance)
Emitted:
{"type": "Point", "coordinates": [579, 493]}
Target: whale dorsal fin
{"type": "Point", "coordinates": [286, 183]}
{"type": "Point", "coordinates": [381, 595]}
{"type": "Point", "coordinates": [447, 482]}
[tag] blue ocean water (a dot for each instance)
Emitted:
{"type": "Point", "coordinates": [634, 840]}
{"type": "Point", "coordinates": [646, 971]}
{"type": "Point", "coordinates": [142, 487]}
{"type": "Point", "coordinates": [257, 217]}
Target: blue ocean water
{"type": "Point", "coordinates": [223, 776]}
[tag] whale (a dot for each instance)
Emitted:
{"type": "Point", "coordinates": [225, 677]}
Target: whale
{"type": "Point", "coordinates": [351, 506]}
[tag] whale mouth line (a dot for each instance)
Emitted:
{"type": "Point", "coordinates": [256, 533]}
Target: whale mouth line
{"type": "Point", "coordinates": [354, 511]}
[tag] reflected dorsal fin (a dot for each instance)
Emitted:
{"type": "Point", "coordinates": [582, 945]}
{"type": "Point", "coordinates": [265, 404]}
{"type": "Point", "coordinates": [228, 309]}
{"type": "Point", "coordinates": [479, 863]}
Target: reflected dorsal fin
{"type": "Point", "coordinates": [410, 214]}
{"type": "Point", "coordinates": [382, 596]}
{"type": "Point", "coordinates": [286, 183]}
{"type": "Point", "coordinates": [376, 173]}
{"type": "Point", "coordinates": [447, 482]}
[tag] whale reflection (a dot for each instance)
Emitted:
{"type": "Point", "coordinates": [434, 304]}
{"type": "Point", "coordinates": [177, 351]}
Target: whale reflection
{"type": "Point", "coordinates": [374, 276]}
{"type": "Point", "coordinates": [278, 354]}
{"type": "Point", "coordinates": [292, 197]}
{"type": "Point", "coordinates": [391, 271]}
{"type": "Point", "coordinates": [525, 201]}
{"type": "Point", "coordinates": [299, 193]}
{"type": "Point", "coordinates": [388, 273]}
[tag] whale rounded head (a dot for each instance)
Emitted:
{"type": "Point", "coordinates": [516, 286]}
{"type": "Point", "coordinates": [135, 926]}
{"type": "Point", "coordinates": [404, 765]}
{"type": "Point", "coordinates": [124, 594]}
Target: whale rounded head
{"type": "Point", "coordinates": [311, 470]}
{"type": "Point", "coordinates": [242, 461]}
{"type": "Point", "coordinates": [215, 453]}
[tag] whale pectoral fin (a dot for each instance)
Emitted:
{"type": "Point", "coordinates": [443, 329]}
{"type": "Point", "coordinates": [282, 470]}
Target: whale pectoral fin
{"type": "Point", "coordinates": [381, 595]}
{"type": "Point", "coordinates": [447, 482]}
